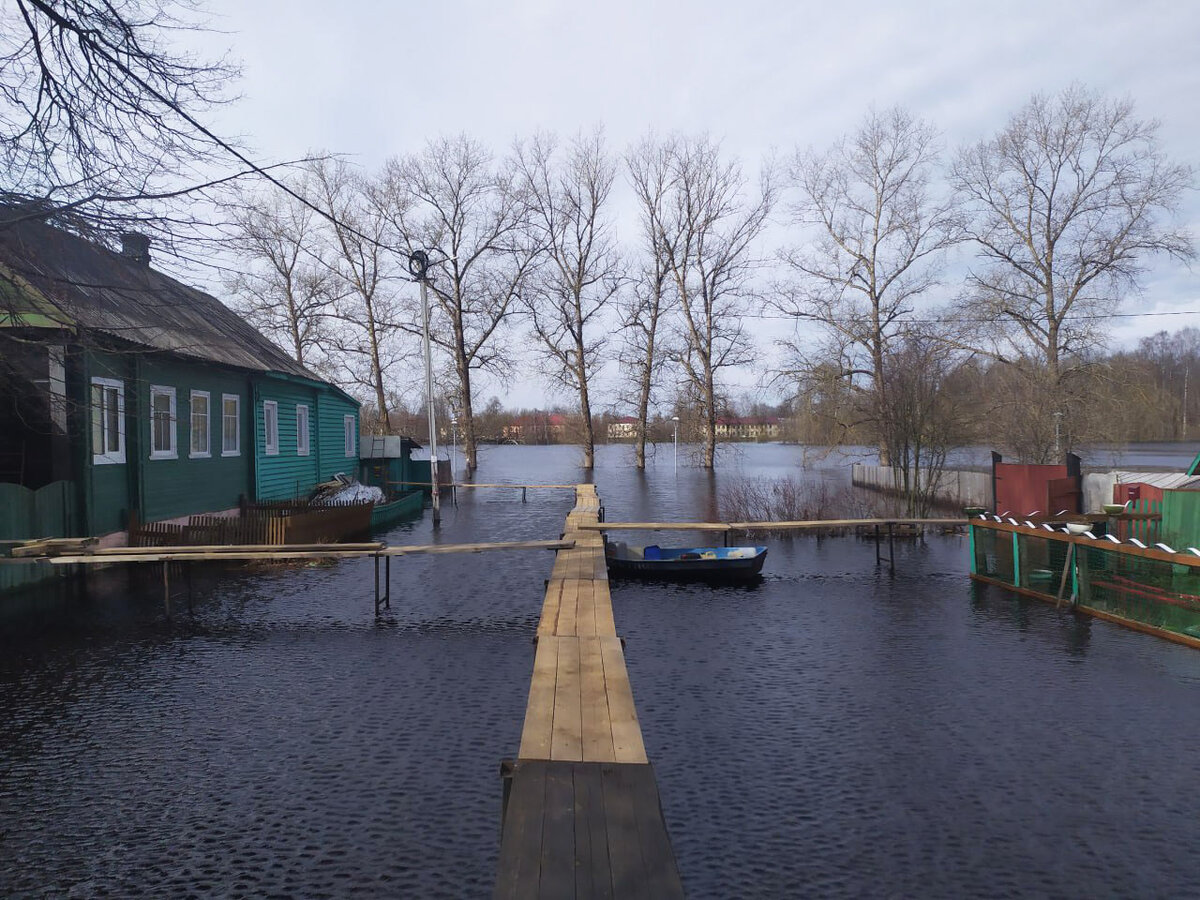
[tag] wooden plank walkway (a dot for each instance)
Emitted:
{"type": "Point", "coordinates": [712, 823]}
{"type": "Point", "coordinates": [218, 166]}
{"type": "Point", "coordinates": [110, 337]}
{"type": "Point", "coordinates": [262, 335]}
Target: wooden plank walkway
{"type": "Point", "coordinates": [582, 814]}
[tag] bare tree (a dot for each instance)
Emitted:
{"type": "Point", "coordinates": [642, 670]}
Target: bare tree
{"type": "Point", "coordinates": [365, 344]}
{"type": "Point", "coordinates": [708, 230]}
{"type": "Point", "coordinates": [922, 415]}
{"type": "Point", "coordinates": [1068, 199]}
{"type": "Point", "coordinates": [284, 286]}
{"type": "Point", "coordinates": [453, 201]}
{"type": "Point", "coordinates": [579, 270]}
{"type": "Point", "coordinates": [649, 296]}
{"type": "Point", "coordinates": [98, 116]}
{"type": "Point", "coordinates": [879, 232]}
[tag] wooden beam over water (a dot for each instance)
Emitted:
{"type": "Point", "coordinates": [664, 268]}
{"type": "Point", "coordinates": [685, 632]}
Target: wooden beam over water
{"type": "Point", "coordinates": [278, 552]}
{"type": "Point", "coordinates": [762, 526]}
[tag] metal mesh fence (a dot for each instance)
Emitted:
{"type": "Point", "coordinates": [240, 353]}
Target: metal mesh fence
{"type": "Point", "coordinates": [1101, 576]}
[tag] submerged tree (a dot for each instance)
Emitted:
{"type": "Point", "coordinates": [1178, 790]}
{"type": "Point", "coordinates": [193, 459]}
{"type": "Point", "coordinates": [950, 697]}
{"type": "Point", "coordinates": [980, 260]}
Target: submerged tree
{"type": "Point", "coordinates": [879, 230]}
{"type": "Point", "coordinates": [452, 201]}
{"type": "Point", "coordinates": [579, 269]}
{"type": "Point", "coordinates": [1068, 201]}
{"type": "Point", "coordinates": [708, 228]}
{"type": "Point", "coordinates": [649, 295]}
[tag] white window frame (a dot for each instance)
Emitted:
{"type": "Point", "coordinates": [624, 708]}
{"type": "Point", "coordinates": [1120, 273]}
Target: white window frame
{"type": "Point", "coordinates": [193, 453]}
{"type": "Point", "coordinates": [159, 390]}
{"type": "Point", "coordinates": [349, 430]}
{"type": "Point", "coordinates": [237, 419]}
{"type": "Point", "coordinates": [271, 435]}
{"type": "Point", "coordinates": [105, 456]}
{"type": "Point", "coordinates": [303, 448]}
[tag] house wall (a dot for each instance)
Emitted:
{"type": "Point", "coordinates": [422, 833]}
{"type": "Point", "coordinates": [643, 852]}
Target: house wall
{"type": "Point", "coordinates": [289, 474]}
{"type": "Point", "coordinates": [331, 435]}
{"type": "Point", "coordinates": [187, 485]}
{"type": "Point", "coordinates": [110, 489]}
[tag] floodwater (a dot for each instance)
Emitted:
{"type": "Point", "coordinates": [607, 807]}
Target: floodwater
{"type": "Point", "coordinates": [834, 732]}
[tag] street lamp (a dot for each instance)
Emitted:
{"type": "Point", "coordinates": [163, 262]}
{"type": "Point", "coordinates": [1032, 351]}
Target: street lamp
{"type": "Point", "coordinates": [418, 267]}
{"type": "Point", "coordinates": [675, 419]}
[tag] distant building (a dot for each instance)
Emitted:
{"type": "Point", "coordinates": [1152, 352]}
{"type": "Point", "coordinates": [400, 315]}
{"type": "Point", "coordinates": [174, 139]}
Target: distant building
{"type": "Point", "coordinates": [748, 428]}
{"type": "Point", "coordinates": [623, 429]}
{"type": "Point", "coordinates": [536, 428]}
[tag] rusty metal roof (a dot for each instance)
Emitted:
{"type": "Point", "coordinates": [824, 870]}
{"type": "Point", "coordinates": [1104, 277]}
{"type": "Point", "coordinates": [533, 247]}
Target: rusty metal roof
{"type": "Point", "coordinates": [105, 292]}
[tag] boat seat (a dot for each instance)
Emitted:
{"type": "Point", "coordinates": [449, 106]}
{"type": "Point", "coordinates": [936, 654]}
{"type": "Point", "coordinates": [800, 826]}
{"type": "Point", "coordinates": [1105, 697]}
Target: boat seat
{"type": "Point", "coordinates": [652, 552]}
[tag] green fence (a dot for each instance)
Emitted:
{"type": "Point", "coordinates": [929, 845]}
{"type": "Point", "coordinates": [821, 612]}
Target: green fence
{"type": "Point", "coordinates": [50, 511]}
{"type": "Point", "coordinates": [1159, 590]}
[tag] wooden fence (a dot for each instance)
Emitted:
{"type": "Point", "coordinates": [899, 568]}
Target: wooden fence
{"type": "Point", "coordinates": [279, 522]}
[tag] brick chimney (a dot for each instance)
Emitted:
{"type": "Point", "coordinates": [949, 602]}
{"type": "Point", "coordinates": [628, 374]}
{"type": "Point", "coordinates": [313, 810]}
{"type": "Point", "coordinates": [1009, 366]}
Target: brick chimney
{"type": "Point", "coordinates": [136, 247]}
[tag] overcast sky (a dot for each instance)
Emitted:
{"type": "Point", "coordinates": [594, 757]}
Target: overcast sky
{"type": "Point", "coordinates": [374, 79]}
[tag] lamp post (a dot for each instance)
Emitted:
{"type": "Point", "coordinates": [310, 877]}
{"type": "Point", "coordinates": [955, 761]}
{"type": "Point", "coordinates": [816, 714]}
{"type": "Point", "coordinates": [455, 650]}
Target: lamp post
{"type": "Point", "coordinates": [675, 420]}
{"type": "Point", "coordinates": [418, 267]}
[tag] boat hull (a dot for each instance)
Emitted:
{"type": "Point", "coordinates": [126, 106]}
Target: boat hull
{"type": "Point", "coordinates": [707, 564]}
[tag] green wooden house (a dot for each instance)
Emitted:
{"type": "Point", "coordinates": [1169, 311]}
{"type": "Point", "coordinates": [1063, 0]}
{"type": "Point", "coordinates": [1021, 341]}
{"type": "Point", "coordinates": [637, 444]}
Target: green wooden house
{"type": "Point", "coordinates": [146, 396]}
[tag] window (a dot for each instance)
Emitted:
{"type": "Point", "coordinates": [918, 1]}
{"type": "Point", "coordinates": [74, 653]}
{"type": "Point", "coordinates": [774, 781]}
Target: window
{"type": "Point", "coordinates": [271, 427]}
{"type": "Point", "coordinates": [231, 425]}
{"type": "Point", "coordinates": [108, 421]}
{"type": "Point", "coordinates": [350, 430]}
{"type": "Point", "coordinates": [162, 422]}
{"type": "Point", "coordinates": [301, 430]}
{"type": "Point", "coordinates": [200, 415]}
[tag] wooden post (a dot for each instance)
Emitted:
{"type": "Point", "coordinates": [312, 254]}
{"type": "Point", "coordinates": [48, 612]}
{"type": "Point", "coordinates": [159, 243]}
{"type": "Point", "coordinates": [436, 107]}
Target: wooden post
{"type": "Point", "coordinates": [876, 543]}
{"type": "Point", "coordinates": [167, 588]}
{"type": "Point", "coordinates": [891, 550]}
{"type": "Point", "coordinates": [377, 584]}
{"type": "Point", "coordinates": [522, 493]}
{"type": "Point", "coordinates": [387, 582]}
{"type": "Point", "coordinates": [1062, 584]}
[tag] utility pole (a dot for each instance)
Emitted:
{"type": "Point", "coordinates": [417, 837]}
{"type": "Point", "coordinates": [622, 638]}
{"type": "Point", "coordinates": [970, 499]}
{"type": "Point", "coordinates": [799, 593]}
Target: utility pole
{"type": "Point", "coordinates": [418, 266]}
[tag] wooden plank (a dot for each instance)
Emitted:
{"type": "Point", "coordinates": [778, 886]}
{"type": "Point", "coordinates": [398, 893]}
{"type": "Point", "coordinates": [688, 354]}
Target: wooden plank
{"type": "Point", "coordinates": [568, 608]}
{"type": "Point", "coordinates": [164, 554]}
{"type": "Point", "coordinates": [585, 616]}
{"type": "Point", "coordinates": [519, 870]}
{"type": "Point", "coordinates": [548, 622]}
{"type": "Point", "coordinates": [627, 733]}
{"type": "Point", "coordinates": [605, 625]}
{"type": "Point", "coordinates": [596, 724]}
{"type": "Point", "coordinates": [567, 740]}
{"type": "Point", "coordinates": [593, 871]}
{"type": "Point", "coordinates": [237, 548]}
{"type": "Point", "coordinates": [760, 526]}
{"type": "Point", "coordinates": [661, 870]}
{"type": "Point", "coordinates": [558, 834]}
{"type": "Point", "coordinates": [538, 731]}
{"type": "Point", "coordinates": [624, 845]}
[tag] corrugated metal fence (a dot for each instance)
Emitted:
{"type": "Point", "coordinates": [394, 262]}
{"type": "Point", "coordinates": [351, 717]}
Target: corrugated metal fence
{"type": "Point", "coordinates": [955, 486]}
{"type": "Point", "coordinates": [26, 514]}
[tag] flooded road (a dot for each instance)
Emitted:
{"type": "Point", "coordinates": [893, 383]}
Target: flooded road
{"type": "Point", "coordinates": [834, 732]}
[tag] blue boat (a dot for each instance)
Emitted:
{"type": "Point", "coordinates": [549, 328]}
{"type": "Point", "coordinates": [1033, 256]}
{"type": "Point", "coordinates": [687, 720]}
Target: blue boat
{"type": "Point", "coordinates": [684, 564]}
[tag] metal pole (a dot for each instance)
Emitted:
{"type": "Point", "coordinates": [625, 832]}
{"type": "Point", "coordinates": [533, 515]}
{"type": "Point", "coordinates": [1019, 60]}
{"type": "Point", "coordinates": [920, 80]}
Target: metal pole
{"type": "Point", "coordinates": [675, 420]}
{"type": "Point", "coordinates": [433, 472]}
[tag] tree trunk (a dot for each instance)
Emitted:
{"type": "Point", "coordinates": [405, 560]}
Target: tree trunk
{"type": "Point", "coordinates": [589, 436]}
{"type": "Point", "coordinates": [710, 418]}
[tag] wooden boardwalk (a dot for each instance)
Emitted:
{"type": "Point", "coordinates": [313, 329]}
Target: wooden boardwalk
{"type": "Point", "coordinates": [582, 815]}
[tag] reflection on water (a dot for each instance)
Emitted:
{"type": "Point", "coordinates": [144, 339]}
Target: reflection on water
{"type": "Point", "coordinates": [832, 732]}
